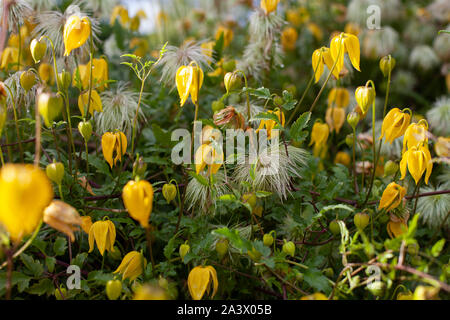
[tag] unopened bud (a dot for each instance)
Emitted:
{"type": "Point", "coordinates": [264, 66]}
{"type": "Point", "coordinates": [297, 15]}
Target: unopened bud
{"type": "Point", "coordinates": [387, 64]}
{"type": "Point", "coordinates": [217, 105]}
{"type": "Point", "coordinates": [349, 140]}
{"type": "Point", "coordinates": [113, 289]}
{"type": "Point", "coordinates": [232, 81]}
{"type": "Point", "coordinates": [38, 49]}
{"type": "Point", "coordinates": [361, 220]}
{"type": "Point", "coordinates": [27, 80]}
{"type": "Point", "coordinates": [184, 249]}
{"type": "Point", "coordinates": [85, 128]}
{"type": "Point", "coordinates": [64, 80]}
{"type": "Point", "coordinates": [353, 119]}
{"type": "Point", "coordinates": [139, 167]}
{"type": "Point", "coordinates": [50, 106]}
{"type": "Point", "coordinates": [289, 248]}
{"type": "Point", "coordinates": [268, 239]}
{"type": "Point", "coordinates": [55, 172]}
{"type": "Point", "coordinates": [390, 168]}
{"type": "Point", "coordinates": [169, 191]}
{"type": "Point", "coordinates": [222, 247]}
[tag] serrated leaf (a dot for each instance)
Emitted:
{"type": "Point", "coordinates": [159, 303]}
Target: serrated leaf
{"type": "Point", "coordinates": [60, 246]}
{"type": "Point", "coordinates": [298, 126]}
{"type": "Point", "coordinates": [235, 239]}
{"type": "Point", "coordinates": [262, 93]}
{"type": "Point", "coordinates": [50, 263]}
{"type": "Point", "coordinates": [34, 266]}
{"type": "Point", "coordinates": [44, 286]}
{"type": "Point", "coordinates": [79, 259]}
{"type": "Point", "coordinates": [316, 280]}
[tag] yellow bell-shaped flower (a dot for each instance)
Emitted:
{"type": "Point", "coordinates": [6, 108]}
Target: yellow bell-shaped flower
{"type": "Point", "coordinates": [200, 279]}
{"type": "Point", "coordinates": [46, 73]}
{"type": "Point", "coordinates": [315, 30]}
{"type": "Point", "coordinates": [86, 223]}
{"type": "Point", "coordinates": [394, 124]}
{"type": "Point", "coordinates": [104, 234]}
{"type": "Point", "coordinates": [189, 80]}
{"type": "Point", "coordinates": [392, 197]}
{"type": "Point", "coordinates": [207, 155]}
{"type": "Point", "coordinates": [114, 144]}
{"type": "Point", "coordinates": [99, 73]}
{"type": "Point", "coordinates": [335, 118]}
{"type": "Point", "coordinates": [25, 191]}
{"type": "Point", "coordinates": [396, 228]}
{"type": "Point", "coordinates": [269, 125]}
{"type": "Point", "coordinates": [415, 134]}
{"type": "Point", "coordinates": [132, 265]}
{"type": "Point", "coordinates": [319, 134]}
{"type": "Point", "coordinates": [345, 43]}
{"type": "Point", "coordinates": [62, 217]}
{"type": "Point", "coordinates": [227, 35]}
{"type": "Point", "coordinates": [339, 97]}
{"type": "Point", "coordinates": [289, 37]}
{"type": "Point", "coordinates": [76, 32]}
{"type": "Point", "coordinates": [121, 13]}
{"type": "Point", "coordinates": [96, 102]}
{"type": "Point", "coordinates": [342, 158]}
{"type": "Point", "coordinates": [321, 57]}
{"type": "Point", "coordinates": [10, 57]}
{"type": "Point", "coordinates": [418, 160]}
{"type": "Point", "coordinates": [138, 199]}
{"type": "Point", "coordinates": [269, 5]}
{"type": "Point", "coordinates": [169, 191]}
{"type": "Point", "coordinates": [365, 96]}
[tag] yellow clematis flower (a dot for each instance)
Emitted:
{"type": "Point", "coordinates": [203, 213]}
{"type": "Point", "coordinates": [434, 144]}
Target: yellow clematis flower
{"type": "Point", "coordinates": [340, 97]}
{"type": "Point", "coordinates": [132, 265]}
{"type": "Point", "coordinates": [315, 296]}
{"type": "Point", "coordinates": [114, 143]}
{"type": "Point", "coordinates": [99, 74]}
{"type": "Point", "coordinates": [269, 5]}
{"type": "Point", "coordinates": [169, 191]}
{"type": "Point", "coordinates": [315, 31]}
{"type": "Point", "coordinates": [150, 292]}
{"type": "Point", "coordinates": [345, 43]}
{"type": "Point", "coordinates": [207, 155]}
{"type": "Point", "coordinates": [297, 16]}
{"type": "Point", "coordinates": [46, 73]}
{"type": "Point", "coordinates": [76, 32]}
{"type": "Point", "coordinates": [319, 134]}
{"type": "Point", "coordinates": [227, 35]}
{"type": "Point", "coordinates": [208, 48]}
{"type": "Point", "coordinates": [269, 125]}
{"type": "Point", "coordinates": [352, 28]}
{"type": "Point", "coordinates": [96, 102]}
{"type": "Point", "coordinates": [395, 124]}
{"type": "Point", "coordinates": [418, 160]}
{"type": "Point", "coordinates": [10, 56]}
{"type": "Point", "coordinates": [321, 57]}
{"type": "Point", "coordinates": [441, 147]}
{"type": "Point", "coordinates": [392, 197]}
{"type": "Point", "coordinates": [86, 223]}
{"type": "Point", "coordinates": [25, 191]}
{"type": "Point", "coordinates": [138, 200]}
{"type": "Point", "coordinates": [200, 279]}
{"type": "Point", "coordinates": [62, 217]}
{"type": "Point", "coordinates": [104, 234]}
{"type": "Point", "coordinates": [189, 80]}
{"type": "Point", "coordinates": [365, 96]}
{"type": "Point", "coordinates": [289, 37]}
{"type": "Point", "coordinates": [342, 158]}
{"type": "Point", "coordinates": [121, 13]}
{"type": "Point", "coordinates": [415, 134]}
{"type": "Point", "coordinates": [396, 229]}
{"type": "Point", "coordinates": [335, 118]}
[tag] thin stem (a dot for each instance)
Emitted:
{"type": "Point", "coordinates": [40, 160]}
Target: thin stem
{"type": "Point", "coordinates": [246, 94]}
{"type": "Point", "coordinates": [55, 67]}
{"type": "Point", "coordinates": [354, 160]}
{"type": "Point", "coordinates": [149, 245]}
{"type": "Point", "coordinates": [72, 145]}
{"type": "Point", "coordinates": [1, 156]}
{"type": "Point", "coordinates": [9, 255]}
{"type": "Point", "coordinates": [375, 155]}
{"type": "Point", "coordinates": [136, 116]}
{"type": "Point", "coordinates": [60, 192]}
{"type": "Point", "coordinates": [302, 98]}
{"type": "Point", "coordinates": [37, 150]}
{"type": "Point", "coordinates": [87, 157]}
{"type": "Point", "coordinates": [56, 143]}
{"type": "Point", "coordinates": [16, 121]}
{"type": "Point", "coordinates": [415, 194]}
{"type": "Point", "coordinates": [91, 57]}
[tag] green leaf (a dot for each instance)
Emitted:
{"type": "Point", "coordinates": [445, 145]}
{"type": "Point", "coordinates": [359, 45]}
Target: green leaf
{"type": "Point", "coordinates": [50, 263]}
{"type": "Point", "coordinates": [170, 247]}
{"type": "Point", "coordinates": [34, 266]}
{"type": "Point", "coordinates": [199, 178]}
{"type": "Point", "coordinates": [262, 93]}
{"type": "Point", "coordinates": [268, 116]}
{"type": "Point", "coordinates": [289, 101]}
{"type": "Point", "coordinates": [317, 280]}
{"type": "Point", "coordinates": [437, 248]}
{"type": "Point", "coordinates": [44, 286]}
{"type": "Point", "coordinates": [79, 259]}
{"type": "Point", "coordinates": [298, 126]}
{"type": "Point", "coordinates": [60, 246]}
{"type": "Point", "coordinates": [228, 197]}
{"type": "Point", "coordinates": [235, 239]}
{"type": "Point", "coordinates": [263, 194]}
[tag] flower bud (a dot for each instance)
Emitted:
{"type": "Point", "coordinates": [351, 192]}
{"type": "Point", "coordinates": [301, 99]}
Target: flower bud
{"type": "Point", "coordinates": [376, 288]}
{"type": "Point", "coordinates": [217, 105]}
{"type": "Point", "coordinates": [113, 289]}
{"type": "Point", "coordinates": [139, 167]}
{"type": "Point", "coordinates": [50, 106]}
{"type": "Point", "coordinates": [390, 168]}
{"type": "Point", "coordinates": [328, 272]}
{"type": "Point", "coordinates": [289, 248]}
{"type": "Point", "coordinates": [334, 227]}
{"type": "Point", "coordinates": [55, 172]}
{"type": "Point", "coordinates": [232, 81]}
{"type": "Point", "coordinates": [222, 247]}
{"type": "Point", "coordinates": [353, 119]}
{"type": "Point", "coordinates": [365, 97]}
{"type": "Point", "coordinates": [267, 239]}
{"type": "Point", "coordinates": [38, 49]}
{"type": "Point", "coordinates": [361, 220]}
{"type": "Point", "coordinates": [64, 80]}
{"type": "Point", "coordinates": [27, 80]}
{"type": "Point", "coordinates": [349, 140]}
{"type": "Point", "coordinates": [60, 293]}
{"type": "Point", "coordinates": [278, 101]}
{"type": "Point", "coordinates": [387, 64]}
{"type": "Point", "coordinates": [254, 254]}
{"type": "Point", "coordinates": [169, 192]}
{"type": "Point", "coordinates": [184, 249]}
{"type": "Point", "coordinates": [85, 128]}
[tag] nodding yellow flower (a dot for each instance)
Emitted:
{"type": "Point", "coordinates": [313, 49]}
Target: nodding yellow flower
{"type": "Point", "coordinates": [365, 96]}
{"type": "Point", "coordinates": [25, 191]}
{"type": "Point", "coordinates": [121, 13]}
{"type": "Point", "coordinates": [441, 147]}
{"type": "Point", "coordinates": [315, 31]}
{"type": "Point", "coordinates": [96, 102]}
{"type": "Point", "coordinates": [37, 49]}
{"type": "Point", "coordinates": [76, 32]}
{"type": "Point", "coordinates": [86, 223]}
{"type": "Point", "coordinates": [345, 42]}
{"type": "Point", "coordinates": [132, 265]}
{"type": "Point", "coordinates": [208, 48]}
{"type": "Point", "coordinates": [140, 46]}
{"type": "Point", "coordinates": [207, 155]}
{"type": "Point", "coordinates": [335, 118]}
{"type": "Point", "coordinates": [46, 73]}
{"type": "Point", "coordinates": [315, 296]}
{"type": "Point", "coordinates": [392, 197]}
{"type": "Point", "coordinates": [169, 191]}
{"type": "Point", "coordinates": [297, 16]}
{"type": "Point", "coordinates": [141, 14]}
{"type": "Point", "coordinates": [269, 5]}
{"type": "Point", "coordinates": [135, 23]}
{"type": "Point", "coordinates": [319, 134]}
{"type": "Point", "coordinates": [269, 125]}
{"type": "Point", "coordinates": [161, 18]}
{"type": "Point", "coordinates": [415, 134]}
{"type": "Point", "coordinates": [99, 74]}
{"type": "Point", "coordinates": [10, 56]}
{"type": "Point", "coordinates": [62, 217]}
{"type": "Point", "coordinates": [81, 74]}
{"type": "Point", "coordinates": [352, 28]}
{"type": "Point", "coordinates": [200, 279]}
{"type": "Point", "coordinates": [395, 124]}
{"type": "Point", "coordinates": [396, 228]}
{"type": "Point", "coordinates": [321, 57]}
{"type": "Point", "coordinates": [340, 97]}
{"type": "Point", "coordinates": [114, 144]}
{"type": "Point", "coordinates": [104, 234]}
{"type": "Point", "coordinates": [150, 292]}
{"type": "Point", "coordinates": [289, 37]}
{"type": "Point", "coordinates": [418, 160]}
{"type": "Point", "coordinates": [189, 80]}
{"type": "Point", "coordinates": [342, 158]}
{"type": "Point", "coordinates": [50, 106]}
{"type": "Point", "coordinates": [227, 35]}
{"type": "Point", "coordinates": [138, 200]}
